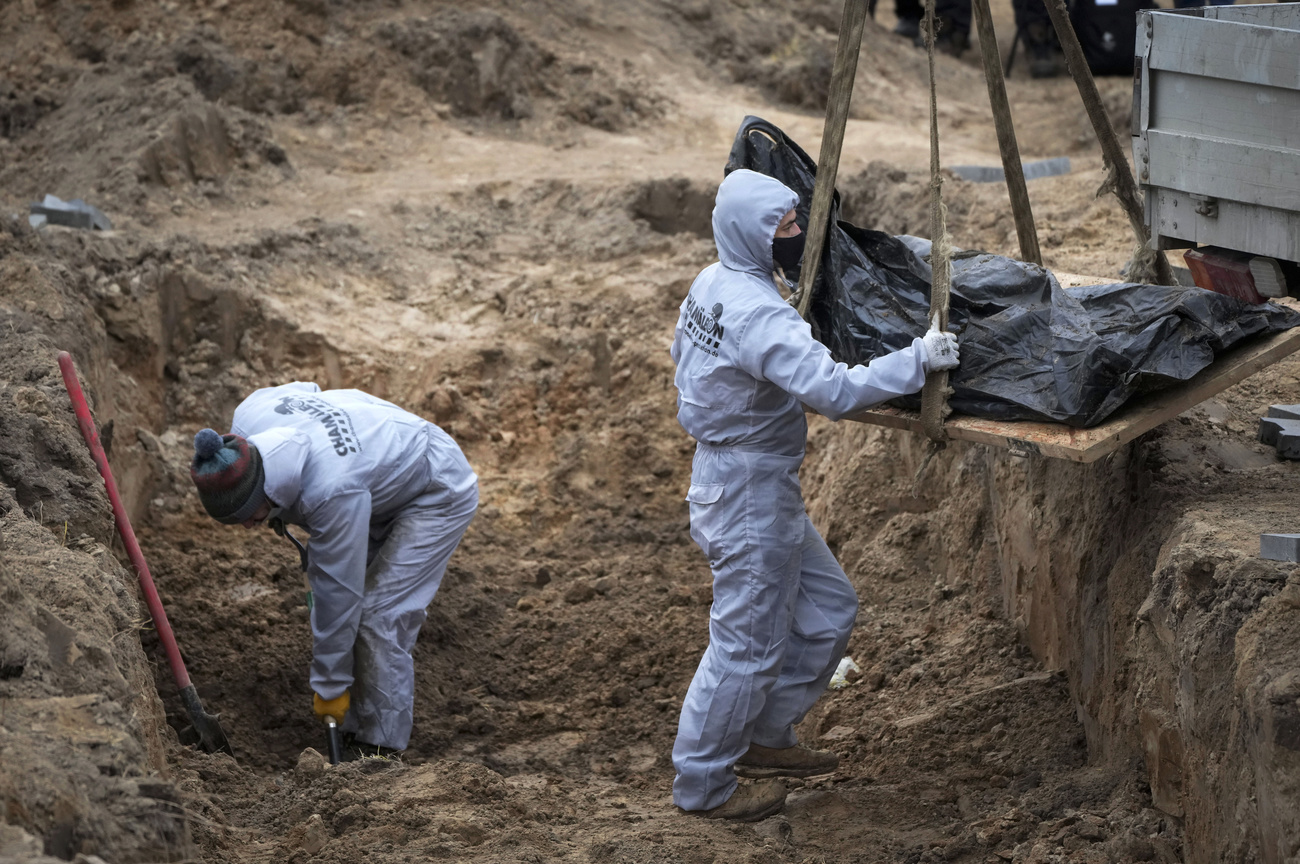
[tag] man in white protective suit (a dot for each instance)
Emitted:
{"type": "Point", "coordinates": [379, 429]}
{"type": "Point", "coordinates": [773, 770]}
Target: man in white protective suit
{"type": "Point", "coordinates": [386, 497]}
{"type": "Point", "coordinates": [747, 364]}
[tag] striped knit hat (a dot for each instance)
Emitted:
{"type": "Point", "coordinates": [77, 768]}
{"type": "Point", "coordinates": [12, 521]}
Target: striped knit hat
{"type": "Point", "coordinates": [228, 473]}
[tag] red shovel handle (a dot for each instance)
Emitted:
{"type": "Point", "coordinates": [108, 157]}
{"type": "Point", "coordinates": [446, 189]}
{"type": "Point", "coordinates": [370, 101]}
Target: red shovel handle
{"type": "Point", "coordinates": [88, 431]}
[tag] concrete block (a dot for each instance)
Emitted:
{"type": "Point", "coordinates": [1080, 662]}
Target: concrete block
{"type": "Point", "coordinates": [1272, 428]}
{"type": "Point", "coordinates": [1288, 444]}
{"type": "Point", "coordinates": [1279, 547]}
{"type": "Point", "coordinates": [1031, 170]}
{"type": "Point", "coordinates": [72, 214]}
{"type": "Point", "coordinates": [1286, 412]}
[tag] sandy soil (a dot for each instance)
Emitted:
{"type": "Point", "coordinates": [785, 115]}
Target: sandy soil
{"type": "Point", "coordinates": [489, 215]}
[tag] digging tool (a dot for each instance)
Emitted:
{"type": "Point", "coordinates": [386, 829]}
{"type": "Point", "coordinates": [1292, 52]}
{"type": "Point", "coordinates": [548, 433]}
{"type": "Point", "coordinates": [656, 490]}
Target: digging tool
{"type": "Point", "coordinates": [211, 736]}
{"type": "Point", "coordinates": [278, 526]}
{"type": "Point", "coordinates": [334, 742]}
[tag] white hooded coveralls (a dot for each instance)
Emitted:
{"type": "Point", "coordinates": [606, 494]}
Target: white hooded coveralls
{"type": "Point", "coordinates": [782, 606]}
{"type": "Point", "coordinates": [386, 497]}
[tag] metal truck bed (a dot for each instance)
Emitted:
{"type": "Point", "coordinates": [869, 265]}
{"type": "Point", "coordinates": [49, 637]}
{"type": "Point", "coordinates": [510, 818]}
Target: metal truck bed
{"type": "Point", "coordinates": [1216, 127]}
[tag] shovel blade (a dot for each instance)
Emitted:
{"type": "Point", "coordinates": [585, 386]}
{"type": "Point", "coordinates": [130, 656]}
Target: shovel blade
{"type": "Point", "coordinates": [206, 726]}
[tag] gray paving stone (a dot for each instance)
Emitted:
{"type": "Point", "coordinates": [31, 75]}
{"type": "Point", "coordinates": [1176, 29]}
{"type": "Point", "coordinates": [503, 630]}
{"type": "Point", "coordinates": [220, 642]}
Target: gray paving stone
{"type": "Point", "coordinates": [1286, 412]}
{"type": "Point", "coordinates": [1288, 445]}
{"type": "Point", "coordinates": [1272, 428]}
{"type": "Point", "coordinates": [1280, 547]}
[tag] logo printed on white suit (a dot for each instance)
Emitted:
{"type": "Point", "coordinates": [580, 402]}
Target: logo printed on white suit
{"type": "Point", "coordinates": [337, 423]}
{"type": "Point", "coordinates": [704, 328]}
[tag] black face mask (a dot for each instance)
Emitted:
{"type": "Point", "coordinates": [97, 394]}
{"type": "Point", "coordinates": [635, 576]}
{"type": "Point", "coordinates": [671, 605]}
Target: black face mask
{"type": "Point", "coordinates": [787, 251]}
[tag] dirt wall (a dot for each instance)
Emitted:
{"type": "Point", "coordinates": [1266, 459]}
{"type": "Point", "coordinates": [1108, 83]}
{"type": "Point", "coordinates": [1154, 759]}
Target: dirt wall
{"type": "Point", "coordinates": [83, 739]}
{"type": "Point", "coordinates": [1178, 643]}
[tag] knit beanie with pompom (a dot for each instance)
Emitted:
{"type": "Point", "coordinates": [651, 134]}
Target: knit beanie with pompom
{"type": "Point", "coordinates": [227, 471]}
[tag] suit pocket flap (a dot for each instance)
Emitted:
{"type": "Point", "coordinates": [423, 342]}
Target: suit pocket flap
{"type": "Point", "coordinates": [700, 493]}
{"type": "Point", "coordinates": [698, 401]}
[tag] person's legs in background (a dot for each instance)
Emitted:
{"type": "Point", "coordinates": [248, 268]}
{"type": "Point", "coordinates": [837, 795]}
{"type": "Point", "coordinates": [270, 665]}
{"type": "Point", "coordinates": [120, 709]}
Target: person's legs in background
{"type": "Point", "coordinates": [952, 18]}
{"type": "Point", "coordinates": [1041, 46]}
{"type": "Point", "coordinates": [909, 14]}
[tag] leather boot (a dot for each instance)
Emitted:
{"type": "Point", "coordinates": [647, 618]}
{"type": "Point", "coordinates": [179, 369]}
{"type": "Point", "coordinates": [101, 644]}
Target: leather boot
{"type": "Point", "coordinates": [749, 803]}
{"type": "Point", "coordinates": [796, 761]}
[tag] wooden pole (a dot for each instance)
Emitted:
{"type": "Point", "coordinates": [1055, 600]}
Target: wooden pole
{"type": "Point", "coordinates": [828, 163]}
{"type": "Point", "coordinates": [1119, 178]}
{"type": "Point", "coordinates": [934, 395]}
{"type": "Point", "coordinates": [1020, 209]}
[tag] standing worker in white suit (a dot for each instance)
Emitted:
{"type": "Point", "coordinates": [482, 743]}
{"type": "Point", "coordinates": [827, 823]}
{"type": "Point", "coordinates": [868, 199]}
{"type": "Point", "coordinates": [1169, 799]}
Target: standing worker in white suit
{"type": "Point", "coordinates": [387, 497]}
{"type": "Point", "coordinates": [782, 606]}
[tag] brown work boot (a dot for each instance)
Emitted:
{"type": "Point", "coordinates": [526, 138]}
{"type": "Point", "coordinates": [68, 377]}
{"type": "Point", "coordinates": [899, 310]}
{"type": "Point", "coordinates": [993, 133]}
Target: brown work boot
{"type": "Point", "coordinates": [749, 803]}
{"type": "Point", "coordinates": [796, 761]}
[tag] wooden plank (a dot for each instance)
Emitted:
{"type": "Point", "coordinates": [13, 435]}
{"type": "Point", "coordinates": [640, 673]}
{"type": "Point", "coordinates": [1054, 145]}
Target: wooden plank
{"type": "Point", "coordinates": [1269, 176]}
{"type": "Point", "coordinates": [847, 48]}
{"type": "Point", "coordinates": [1226, 49]}
{"type": "Point", "coordinates": [1059, 441]}
{"type": "Point", "coordinates": [1021, 212]}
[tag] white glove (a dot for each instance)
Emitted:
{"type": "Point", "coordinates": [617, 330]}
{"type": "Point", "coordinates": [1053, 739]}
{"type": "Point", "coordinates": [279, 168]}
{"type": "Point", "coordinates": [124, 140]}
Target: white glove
{"type": "Point", "coordinates": [940, 348]}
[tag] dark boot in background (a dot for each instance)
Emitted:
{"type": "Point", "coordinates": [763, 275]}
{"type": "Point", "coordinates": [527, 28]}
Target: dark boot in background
{"type": "Point", "coordinates": [908, 28]}
{"type": "Point", "coordinates": [909, 14]}
{"type": "Point", "coordinates": [951, 38]}
{"type": "Point", "coordinates": [1043, 51]}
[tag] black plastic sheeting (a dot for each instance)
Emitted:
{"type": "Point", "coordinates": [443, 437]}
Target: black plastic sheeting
{"type": "Point", "coordinates": [1030, 349]}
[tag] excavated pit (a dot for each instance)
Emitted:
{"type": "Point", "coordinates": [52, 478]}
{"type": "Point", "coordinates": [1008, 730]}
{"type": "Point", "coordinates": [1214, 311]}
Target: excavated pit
{"type": "Point", "coordinates": [1059, 662]}
{"type": "Point", "coordinates": [1058, 659]}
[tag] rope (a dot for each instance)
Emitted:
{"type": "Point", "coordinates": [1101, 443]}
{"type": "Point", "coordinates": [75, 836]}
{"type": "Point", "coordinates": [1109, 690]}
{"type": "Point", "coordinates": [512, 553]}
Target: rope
{"type": "Point", "coordinates": [930, 451]}
{"type": "Point", "coordinates": [934, 396]}
{"type": "Point", "coordinates": [847, 48]}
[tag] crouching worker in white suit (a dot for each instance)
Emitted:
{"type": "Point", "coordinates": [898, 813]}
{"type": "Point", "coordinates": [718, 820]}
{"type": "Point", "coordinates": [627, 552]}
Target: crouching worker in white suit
{"type": "Point", "coordinates": [386, 497]}
{"type": "Point", "coordinates": [782, 607]}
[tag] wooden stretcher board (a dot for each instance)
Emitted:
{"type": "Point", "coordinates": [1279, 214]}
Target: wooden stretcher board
{"type": "Point", "coordinates": [1142, 414]}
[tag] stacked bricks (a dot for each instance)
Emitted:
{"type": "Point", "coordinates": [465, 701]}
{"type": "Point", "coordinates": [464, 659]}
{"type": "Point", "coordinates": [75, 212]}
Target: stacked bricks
{"type": "Point", "coordinates": [1280, 428]}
